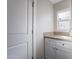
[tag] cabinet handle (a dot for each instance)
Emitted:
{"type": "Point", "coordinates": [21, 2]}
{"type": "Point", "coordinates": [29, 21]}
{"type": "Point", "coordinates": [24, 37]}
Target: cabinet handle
{"type": "Point", "coordinates": [63, 44]}
{"type": "Point", "coordinates": [56, 48]}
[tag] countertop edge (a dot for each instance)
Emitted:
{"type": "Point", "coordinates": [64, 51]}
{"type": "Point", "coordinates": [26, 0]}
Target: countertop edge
{"type": "Point", "coordinates": [57, 38]}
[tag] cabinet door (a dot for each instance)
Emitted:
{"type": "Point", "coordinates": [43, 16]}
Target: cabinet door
{"type": "Point", "coordinates": [62, 54]}
{"type": "Point", "coordinates": [50, 53]}
{"type": "Point", "coordinates": [49, 48]}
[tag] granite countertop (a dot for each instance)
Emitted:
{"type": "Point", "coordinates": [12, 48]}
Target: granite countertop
{"type": "Point", "coordinates": [58, 36]}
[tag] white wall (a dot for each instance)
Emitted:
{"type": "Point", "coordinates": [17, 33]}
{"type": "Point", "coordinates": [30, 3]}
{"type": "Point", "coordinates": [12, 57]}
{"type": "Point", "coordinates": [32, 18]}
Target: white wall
{"type": "Point", "coordinates": [65, 4]}
{"type": "Point", "coordinates": [43, 23]}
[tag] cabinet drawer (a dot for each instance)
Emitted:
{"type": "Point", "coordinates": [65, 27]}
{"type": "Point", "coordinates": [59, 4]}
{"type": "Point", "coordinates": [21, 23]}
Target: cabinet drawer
{"type": "Point", "coordinates": [50, 42]}
{"type": "Point", "coordinates": [63, 44]}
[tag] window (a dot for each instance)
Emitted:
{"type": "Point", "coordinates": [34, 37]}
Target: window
{"type": "Point", "coordinates": [64, 21]}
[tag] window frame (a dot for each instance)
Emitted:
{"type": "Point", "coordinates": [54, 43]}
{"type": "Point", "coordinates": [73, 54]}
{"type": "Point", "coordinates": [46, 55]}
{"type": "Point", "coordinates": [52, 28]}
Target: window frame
{"type": "Point", "coordinates": [70, 21]}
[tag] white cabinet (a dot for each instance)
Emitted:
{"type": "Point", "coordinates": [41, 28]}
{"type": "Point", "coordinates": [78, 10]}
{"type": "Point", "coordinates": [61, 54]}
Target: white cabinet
{"type": "Point", "coordinates": [57, 49]}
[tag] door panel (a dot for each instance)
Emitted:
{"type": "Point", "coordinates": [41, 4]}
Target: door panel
{"type": "Point", "coordinates": [15, 39]}
{"type": "Point", "coordinates": [17, 16]}
{"type": "Point", "coordinates": [18, 51]}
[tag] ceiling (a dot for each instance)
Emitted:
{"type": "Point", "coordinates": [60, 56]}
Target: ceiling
{"type": "Point", "coordinates": [55, 1]}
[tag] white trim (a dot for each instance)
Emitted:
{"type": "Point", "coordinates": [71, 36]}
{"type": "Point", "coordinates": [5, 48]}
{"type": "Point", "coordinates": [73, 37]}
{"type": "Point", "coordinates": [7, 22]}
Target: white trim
{"type": "Point", "coordinates": [34, 31]}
